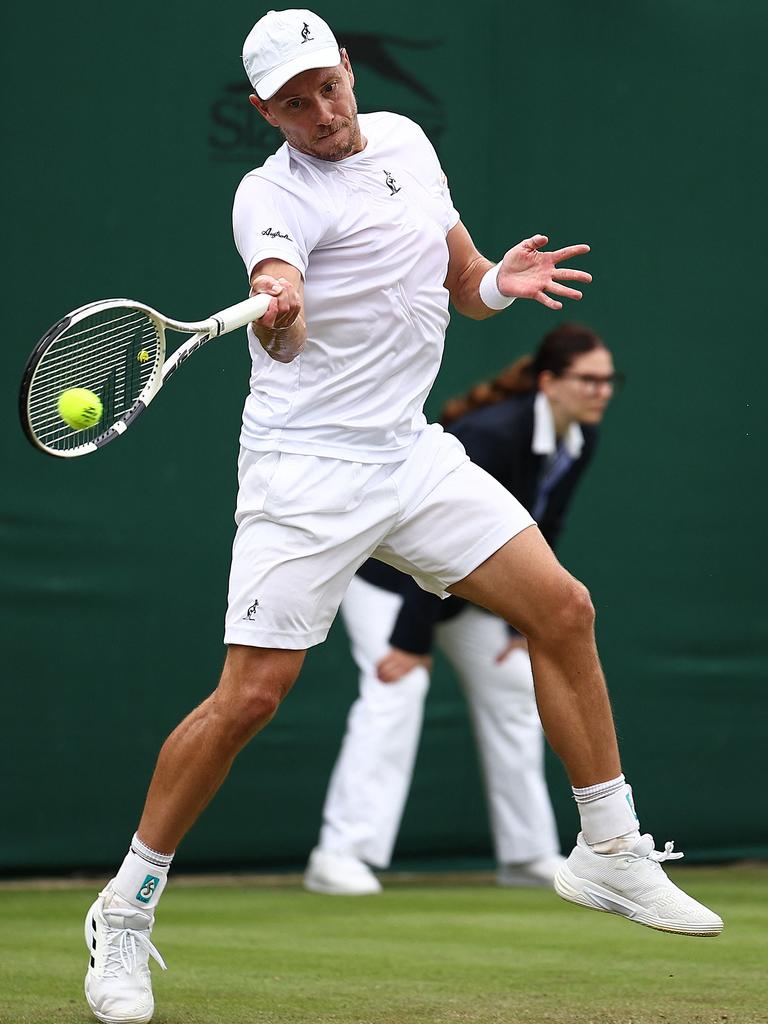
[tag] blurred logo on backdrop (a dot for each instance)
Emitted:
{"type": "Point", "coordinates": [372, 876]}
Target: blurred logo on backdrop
{"type": "Point", "coordinates": [239, 135]}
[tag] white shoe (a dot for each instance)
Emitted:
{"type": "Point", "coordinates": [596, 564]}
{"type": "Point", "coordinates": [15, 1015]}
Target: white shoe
{"type": "Point", "coordinates": [118, 985]}
{"type": "Point", "coordinates": [530, 874]}
{"type": "Point", "coordinates": [632, 884]}
{"type": "Point", "coordinates": [338, 874]}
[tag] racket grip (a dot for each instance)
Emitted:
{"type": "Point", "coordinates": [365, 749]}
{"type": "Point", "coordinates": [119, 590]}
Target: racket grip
{"type": "Point", "coordinates": [243, 313]}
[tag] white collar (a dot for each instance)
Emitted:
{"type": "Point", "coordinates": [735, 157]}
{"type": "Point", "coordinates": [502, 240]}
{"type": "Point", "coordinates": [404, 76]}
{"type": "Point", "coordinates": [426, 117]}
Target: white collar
{"type": "Point", "coordinates": [544, 438]}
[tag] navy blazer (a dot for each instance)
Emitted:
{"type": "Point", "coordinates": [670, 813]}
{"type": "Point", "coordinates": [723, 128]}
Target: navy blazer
{"type": "Point", "coordinates": [497, 438]}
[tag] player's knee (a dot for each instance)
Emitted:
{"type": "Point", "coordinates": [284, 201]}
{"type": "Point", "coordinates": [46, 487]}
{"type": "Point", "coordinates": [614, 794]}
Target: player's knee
{"type": "Point", "coordinates": [247, 711]}
{"type": "Point", "coordinates": [250, 692]}
{"type": "Point", "coordinates": [577, 611]}
{"type": "Point", "coordinates": [570, 612]}
{"type": "Point", "coordinates": [258, 705]}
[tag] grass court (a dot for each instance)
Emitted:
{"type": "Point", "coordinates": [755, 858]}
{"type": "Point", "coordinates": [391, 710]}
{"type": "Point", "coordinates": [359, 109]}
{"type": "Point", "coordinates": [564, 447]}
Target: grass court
{"type": "Point", "coordinates": [418, 954]}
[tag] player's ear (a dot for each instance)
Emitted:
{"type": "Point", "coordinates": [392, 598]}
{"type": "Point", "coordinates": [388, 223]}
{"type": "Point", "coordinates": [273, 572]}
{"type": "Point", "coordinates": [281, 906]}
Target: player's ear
{"type": "Point", "coordinates": [262, 108]}
{"type": "Point", "coordinates": [347, 66]}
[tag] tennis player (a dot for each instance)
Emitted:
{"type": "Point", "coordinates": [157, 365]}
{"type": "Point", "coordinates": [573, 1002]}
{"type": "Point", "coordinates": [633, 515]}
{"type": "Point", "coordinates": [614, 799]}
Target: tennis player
{"type": "Point", "coordinates": [351, 229]}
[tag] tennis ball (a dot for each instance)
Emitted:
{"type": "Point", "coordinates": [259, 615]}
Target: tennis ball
{"type": "Point", "coordinates": [80, 408]}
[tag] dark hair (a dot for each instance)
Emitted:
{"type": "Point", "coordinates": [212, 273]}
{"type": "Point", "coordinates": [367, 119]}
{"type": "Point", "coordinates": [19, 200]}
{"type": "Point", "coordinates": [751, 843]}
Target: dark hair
{"type": "Point", "coordinates": [556, 353]}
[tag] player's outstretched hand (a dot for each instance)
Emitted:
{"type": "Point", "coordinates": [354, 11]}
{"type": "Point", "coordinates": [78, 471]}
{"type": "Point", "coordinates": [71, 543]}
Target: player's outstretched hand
{"type": "Point", "coordinates": [528, 273]}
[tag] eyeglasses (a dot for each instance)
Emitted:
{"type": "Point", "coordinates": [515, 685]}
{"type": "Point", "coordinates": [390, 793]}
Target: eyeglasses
{"type": "Point", "coordinates": [592, 382]}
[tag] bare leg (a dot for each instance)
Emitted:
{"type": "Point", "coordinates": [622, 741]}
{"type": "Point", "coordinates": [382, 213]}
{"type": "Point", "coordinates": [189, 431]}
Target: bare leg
{"type": "Point", "coordinates": [525, 584]}
{"type": "Point", "coordinates": [196, 757]}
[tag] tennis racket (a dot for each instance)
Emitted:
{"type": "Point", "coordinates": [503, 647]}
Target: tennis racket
{"type": "Point", "coordinates": [116, 349]}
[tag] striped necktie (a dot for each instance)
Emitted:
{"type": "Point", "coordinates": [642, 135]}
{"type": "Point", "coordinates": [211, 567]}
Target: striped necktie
{"type": "Point", "coordinates": [558, 466]}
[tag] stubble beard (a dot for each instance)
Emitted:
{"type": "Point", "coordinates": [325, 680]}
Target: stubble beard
{"type": "Point", "coordinates": [347, 132]}
{"type": "Point", "coordinates": [348, 143]}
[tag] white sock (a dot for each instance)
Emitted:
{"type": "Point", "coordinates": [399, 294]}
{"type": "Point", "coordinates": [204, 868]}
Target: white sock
{"type": "Point", "coordinates": [142, 876]}
{"type": "Point", "coordinates": [608, 818]}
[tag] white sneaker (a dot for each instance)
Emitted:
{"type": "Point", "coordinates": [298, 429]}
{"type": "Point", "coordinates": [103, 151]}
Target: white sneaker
{"type": "Point", "coordinates": [531, 874]}
{"type": "Point", "coordinates": [632, 884]}
{"type": "Point", "coordinates": [338, 874]}
{"type": "Point", "coordinates": [118, 985]}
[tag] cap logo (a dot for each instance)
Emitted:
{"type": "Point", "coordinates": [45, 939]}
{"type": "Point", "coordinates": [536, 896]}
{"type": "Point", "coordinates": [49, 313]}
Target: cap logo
{"type": "Point", "coordinates": [305, 36]}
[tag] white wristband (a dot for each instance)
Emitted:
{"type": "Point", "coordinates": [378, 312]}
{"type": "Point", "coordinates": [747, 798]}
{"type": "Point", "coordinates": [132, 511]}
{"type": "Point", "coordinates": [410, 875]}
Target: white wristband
{"type": "Point", "coordinates": [489, 290]}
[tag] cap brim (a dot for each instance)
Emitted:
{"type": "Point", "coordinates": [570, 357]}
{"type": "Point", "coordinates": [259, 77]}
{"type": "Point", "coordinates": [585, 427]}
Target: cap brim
{"type": "Point", "coordinates": [266, 87]}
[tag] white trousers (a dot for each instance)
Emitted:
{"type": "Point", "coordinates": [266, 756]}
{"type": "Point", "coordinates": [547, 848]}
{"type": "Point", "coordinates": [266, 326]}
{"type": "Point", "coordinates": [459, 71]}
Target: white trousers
{"type": "Point", "coordinates": [370, 781]}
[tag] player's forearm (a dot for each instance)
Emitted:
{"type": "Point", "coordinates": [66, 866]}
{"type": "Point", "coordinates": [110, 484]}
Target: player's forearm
{"type": "Point", "coordinates": [466, 292]}
{"type": "Point", "coordinates": [282, 344]}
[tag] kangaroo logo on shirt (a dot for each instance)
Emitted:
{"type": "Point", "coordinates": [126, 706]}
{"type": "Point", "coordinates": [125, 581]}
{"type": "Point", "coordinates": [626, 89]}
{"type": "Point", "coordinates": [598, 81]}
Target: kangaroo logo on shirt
{"type": "Point", "coordinates": [394, 188]}
{"type": "Point", "coordinates": [250, 615]}
{"type": "Point", "coordinates": [305, 36]}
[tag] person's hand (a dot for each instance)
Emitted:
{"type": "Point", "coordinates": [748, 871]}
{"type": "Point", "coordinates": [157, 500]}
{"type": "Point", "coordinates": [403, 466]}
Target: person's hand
{"type": "Point", "coordinates": [285, 305]}
{"type": "Point", "coordinates": [396, 664]}
{"type": "Point", "coordinates": [516, 643]}
{"type": "Point", "coordinates": [528, 273]}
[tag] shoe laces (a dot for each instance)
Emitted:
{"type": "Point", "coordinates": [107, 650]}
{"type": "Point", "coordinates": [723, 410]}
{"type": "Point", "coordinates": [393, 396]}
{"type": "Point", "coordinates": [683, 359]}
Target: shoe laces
{"type": "Point", "coordinates": [659, 856]}
{"type": "Point", "coordinates": [125, 953]}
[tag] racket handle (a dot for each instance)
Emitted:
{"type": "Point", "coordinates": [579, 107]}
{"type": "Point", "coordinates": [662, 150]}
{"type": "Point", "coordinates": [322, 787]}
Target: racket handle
{"type": "Point", "coordinates": [243, 313]}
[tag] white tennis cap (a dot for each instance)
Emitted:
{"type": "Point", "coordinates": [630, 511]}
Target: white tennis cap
{"type": "Point", "coordinates": [283, 44]}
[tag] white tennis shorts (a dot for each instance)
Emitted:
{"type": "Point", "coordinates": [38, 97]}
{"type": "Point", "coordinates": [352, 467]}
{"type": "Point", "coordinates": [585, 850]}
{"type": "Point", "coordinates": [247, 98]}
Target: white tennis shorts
{"type": "Point", "coordinates": [305, 524]}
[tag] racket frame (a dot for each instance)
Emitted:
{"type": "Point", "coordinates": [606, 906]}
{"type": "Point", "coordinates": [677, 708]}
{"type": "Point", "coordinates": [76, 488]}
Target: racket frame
{"type": "Point", "coordinates": [202, 331]}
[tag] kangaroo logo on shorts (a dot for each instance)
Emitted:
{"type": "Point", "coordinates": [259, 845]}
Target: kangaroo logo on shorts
{"type": "Point", "coordinates": [250, 615]}
{"type": "Point", "coordinates": [147, 890]}
{"type": "Point", "coordinates": [394, 188]}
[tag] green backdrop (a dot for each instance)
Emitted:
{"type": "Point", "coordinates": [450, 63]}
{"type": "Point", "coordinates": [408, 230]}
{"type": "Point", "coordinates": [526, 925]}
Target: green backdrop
{"type": "Point", "coordinates": [636, 127]}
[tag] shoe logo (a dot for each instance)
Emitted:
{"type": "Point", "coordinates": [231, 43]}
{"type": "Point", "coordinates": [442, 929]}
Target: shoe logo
{"type": "Point", "coordinates": [147, 890]}
{"type": "Point", "coordinates": [250, 615]}
{"type": "Point", "coordinates": [305, 36]}
{"type": "Point", "coordinates": [604, 902]}
{"type": "Point", "coordinates": [394, 188]}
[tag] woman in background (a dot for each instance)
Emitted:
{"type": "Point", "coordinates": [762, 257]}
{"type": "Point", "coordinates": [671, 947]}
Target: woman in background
{"type": "Point", "coordinates": [534, 428]}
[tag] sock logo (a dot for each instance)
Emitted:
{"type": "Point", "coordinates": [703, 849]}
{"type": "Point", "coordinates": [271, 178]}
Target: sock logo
{"type": "Point", "coordinates": [631, 803]}
{"type": "Point", "coordinates": [147, 890]}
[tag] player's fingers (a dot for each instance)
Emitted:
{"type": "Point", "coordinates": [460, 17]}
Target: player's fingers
{"type": "Point", "coordinates": [535, 241]}
{"type": "Point", "coordinates": [272, 313]}
{"type": "Point", "coordinates": [566, 274]}
{"type": "Point", "coordinates": [264, 284]}
{"type": "Point", "coordinates": [545, 300]}
{"type": "Point", "coordinates": [561, 289]}
{"type": "Point", "coordinates": [569, 252]}
{"type": "Point", "coordinates": [288, 311]}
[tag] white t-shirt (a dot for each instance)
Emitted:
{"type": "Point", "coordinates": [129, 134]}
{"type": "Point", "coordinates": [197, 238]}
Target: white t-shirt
{"type": "Point", "coordinates": [368, 234]}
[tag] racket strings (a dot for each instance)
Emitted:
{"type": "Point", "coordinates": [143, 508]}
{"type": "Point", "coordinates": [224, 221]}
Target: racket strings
{"type": "Point", "coordinates": [112, 355]}
{"type": "Point", "coordinates": [85, 361]}
{"type": "Point", "coordinates": [94, 368]}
